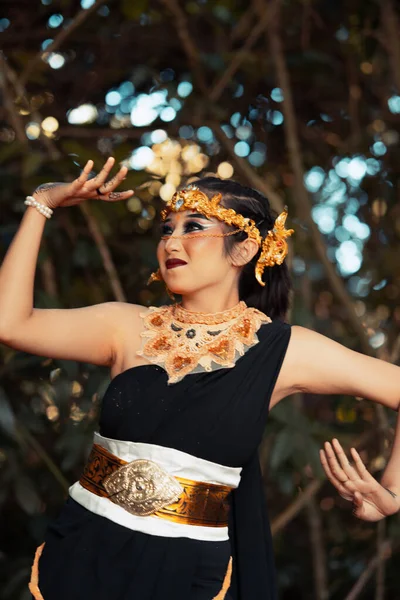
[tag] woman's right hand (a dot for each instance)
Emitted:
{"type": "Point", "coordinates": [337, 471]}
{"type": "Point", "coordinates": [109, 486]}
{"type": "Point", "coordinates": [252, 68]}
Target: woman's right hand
{"type": "Point", "coordinates": [82, 188]}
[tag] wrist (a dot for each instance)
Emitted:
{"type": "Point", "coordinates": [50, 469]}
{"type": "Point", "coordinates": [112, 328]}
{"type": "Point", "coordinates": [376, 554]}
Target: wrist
{"type": "Point", "coordinates": [391, 492]}
{"type": "Point", "coordinates": [42, 198]}
{"type": "Point", "coordinates": [46, 211]}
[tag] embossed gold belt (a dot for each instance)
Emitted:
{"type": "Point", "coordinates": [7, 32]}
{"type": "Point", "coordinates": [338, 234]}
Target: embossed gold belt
{"type": "Point", "coordinates": [144, 488]}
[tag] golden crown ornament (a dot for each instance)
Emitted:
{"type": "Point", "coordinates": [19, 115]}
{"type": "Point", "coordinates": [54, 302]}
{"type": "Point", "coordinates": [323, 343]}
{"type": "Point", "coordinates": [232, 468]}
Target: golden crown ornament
{"type": "Point", "coordinates": [274, 247]}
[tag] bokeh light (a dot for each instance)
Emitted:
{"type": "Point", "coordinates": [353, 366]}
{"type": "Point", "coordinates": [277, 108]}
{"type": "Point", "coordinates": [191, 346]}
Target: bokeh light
{"type": "Point", "coordinates": [277, 95]}
{"type": "Point", "coordinates": [55, 60]}
{"type": "Point", "coordinates": [184, 89]}
{"type": "Point", "coordinates": [32, 130]}
{"type": "Point", "coordinates": [394, 104]}
{"type": "Point", "coordinates": [55, 21]}
{"type": "Point", "coordinates": [86, 113]}
{"type": "Point", "coordinates": [50, 125]}
{"type": "Point", "coordinates": [225, 170]}
{"type": "Point", "coordinates": [242, 149]}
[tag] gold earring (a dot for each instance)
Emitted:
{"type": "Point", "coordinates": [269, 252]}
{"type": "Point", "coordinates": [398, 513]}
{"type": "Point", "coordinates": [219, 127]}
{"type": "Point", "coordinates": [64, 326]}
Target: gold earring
{"type": "Point", "coordinates": [170, 294]}
{"type": "Point", "coordinates": [156, 276]}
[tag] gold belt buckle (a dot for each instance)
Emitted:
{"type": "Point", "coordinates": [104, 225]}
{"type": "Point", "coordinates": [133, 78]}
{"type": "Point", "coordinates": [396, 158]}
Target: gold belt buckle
{"type": "Point", "coordinates": [142, 487]}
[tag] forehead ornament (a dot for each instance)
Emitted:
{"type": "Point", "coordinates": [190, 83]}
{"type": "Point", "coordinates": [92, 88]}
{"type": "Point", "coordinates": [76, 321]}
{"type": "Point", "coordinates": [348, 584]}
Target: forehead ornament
{"type": "Point", "coordinates": [273, 246]}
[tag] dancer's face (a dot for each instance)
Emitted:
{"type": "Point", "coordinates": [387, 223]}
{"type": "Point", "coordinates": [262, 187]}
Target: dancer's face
{"type": "Point", "coordinates": [206, 263]}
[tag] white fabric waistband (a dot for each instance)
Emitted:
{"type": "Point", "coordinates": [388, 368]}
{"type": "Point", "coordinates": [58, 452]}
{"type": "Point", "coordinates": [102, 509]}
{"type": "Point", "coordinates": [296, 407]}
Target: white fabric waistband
{"type": "Point", "coordinates": [176, 463]}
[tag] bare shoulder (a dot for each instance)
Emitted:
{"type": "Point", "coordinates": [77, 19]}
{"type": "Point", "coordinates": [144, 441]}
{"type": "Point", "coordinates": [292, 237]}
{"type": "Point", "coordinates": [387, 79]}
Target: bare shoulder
{"type": "Point", "coordinates": [317, 364]}
{"type": "Point", "coordinates": [127, 319]}
{"type": "Point", "coordinates": [298, 371]}
{"type": "Point", "coordinates": [126, 311]}
{"type": "Point", "coordinates": [306, 350]}
{"type": "Point", "coordinates": [128, 326]}
{"type": "Point", "coordinates": [286, 382]}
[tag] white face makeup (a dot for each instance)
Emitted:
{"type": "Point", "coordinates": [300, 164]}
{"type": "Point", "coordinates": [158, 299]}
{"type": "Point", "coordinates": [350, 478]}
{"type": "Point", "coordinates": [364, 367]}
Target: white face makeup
{"type": "Point", "coordinates": [184, 238]}
{"type": "Point", "coordinates": [186, 222]}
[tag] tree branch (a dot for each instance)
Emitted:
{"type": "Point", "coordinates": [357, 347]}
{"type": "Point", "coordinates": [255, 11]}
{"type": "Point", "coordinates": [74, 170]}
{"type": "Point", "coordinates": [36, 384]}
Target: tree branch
{"type": "Point", "coordinates": [105, 253]}
{"type": "Point", "coordinates": [241, 55]}
{"type": "Point", "coordinates": [318, 550]}
{"type": "Point", "coordinates": [381, 565]}
{"type": "Point", "coordinates": [386, 552]}
{"type": "Point", "coordinates": [391, 26]}
{"type": "Point", "coordinates": [242, 27]}
{"type": "Point", "coordinates": [63, 34]}
{"type": "Point", "coordinates": [25, 435]}
{"type": "Point", "coordinates": [291, 511]}
{"type": "Point", "coordinates": [246, 170]}
{"type": "Point", "coordinates": [193, 55]}
{"type": "Point", "coordinates": [295, 507]}
{"type": "Point", "coordinates": [302, 197]}
{"type": "Point", "coordinates": [12, 113]}
{"type": "Point", "coordinates": [21, 94]}
{"type": "Point", "coordinates": [93, 226]}
{"type": "Point", "coordinates": [187, 42]}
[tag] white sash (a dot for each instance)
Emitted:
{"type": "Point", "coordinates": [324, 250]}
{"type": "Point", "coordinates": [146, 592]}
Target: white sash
{"type": "Point", "coordinates": [176, 463]}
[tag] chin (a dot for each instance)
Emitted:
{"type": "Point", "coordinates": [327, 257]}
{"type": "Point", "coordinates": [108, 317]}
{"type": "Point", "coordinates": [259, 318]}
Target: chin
{"type": "Point", "coordinates": [175, 288]}
{"type": "Point", "coordinates": [178, 290]}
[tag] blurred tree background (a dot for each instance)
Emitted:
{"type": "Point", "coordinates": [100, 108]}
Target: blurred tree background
{"type": "Point", "coordinates": [297, 98]}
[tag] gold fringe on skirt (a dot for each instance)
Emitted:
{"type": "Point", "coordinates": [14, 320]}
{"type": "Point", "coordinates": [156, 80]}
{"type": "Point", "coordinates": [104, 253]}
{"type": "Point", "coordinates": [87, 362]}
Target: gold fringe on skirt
{"type": "Point", "coordinates": [227, 582]}
{"type": "Point", "coordinates": [34, 582]}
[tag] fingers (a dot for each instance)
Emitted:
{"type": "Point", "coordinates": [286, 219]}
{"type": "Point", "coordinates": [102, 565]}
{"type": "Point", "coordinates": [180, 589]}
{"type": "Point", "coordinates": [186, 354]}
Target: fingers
{"type": "Point", "coordinates": [343, 491]}
{"type": "Point", "coordinates": [83, 177]}
{"type": "Point", "coordinates": [100, 178]}
{"type": "Point", "coordinates": [362, 470]}
{"type": "Point", "coordinates": [342, 469]}
{"type": "Point", "coordinates": [114, 196]}
{"type": "Point", "coordinates": [88, 188]}
{"type": "Point", "coordinates": [347, 479]}
{"type": "Point", "coordinates": [87, 169]}
{"type": "Point", "coordinates": [358, 499]}
{"type": "Point", "coordinates": [358, 505]}
{"type": "Point", "coordinates": [345, 464]}
{"type": "Point", "coordinates": [109, 186]}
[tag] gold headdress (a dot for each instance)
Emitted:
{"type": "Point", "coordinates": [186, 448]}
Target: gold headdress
{"type": "Point", "coordinates": [274, 247]}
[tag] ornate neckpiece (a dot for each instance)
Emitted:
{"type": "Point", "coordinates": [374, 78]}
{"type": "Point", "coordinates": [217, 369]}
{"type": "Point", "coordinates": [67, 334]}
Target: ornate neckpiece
{"type": "Point", "coordinates": [183, 341]}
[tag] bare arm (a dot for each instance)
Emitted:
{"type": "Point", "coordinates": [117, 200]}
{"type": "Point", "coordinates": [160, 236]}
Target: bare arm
{"type": "Point", "coordinates": [89, 334]}
{"type": "Point", "coordinates": [92, 334]}
{"type": "Point", "coordinates": [314, 363]}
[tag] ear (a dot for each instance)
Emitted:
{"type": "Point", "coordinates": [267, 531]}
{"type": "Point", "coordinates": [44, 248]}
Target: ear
{"type": "Point", "coordinates": [243, 252]}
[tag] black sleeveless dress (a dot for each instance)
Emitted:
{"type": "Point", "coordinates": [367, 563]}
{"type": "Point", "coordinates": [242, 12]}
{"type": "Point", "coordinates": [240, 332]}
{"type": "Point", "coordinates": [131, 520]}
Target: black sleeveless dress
{"type": "Point", "coordinates": [219, 416]}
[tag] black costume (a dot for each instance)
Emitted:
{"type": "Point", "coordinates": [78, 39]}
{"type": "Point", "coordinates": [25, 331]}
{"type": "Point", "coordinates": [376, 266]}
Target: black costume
{"type": "Point", "coordinates": [218, 416]}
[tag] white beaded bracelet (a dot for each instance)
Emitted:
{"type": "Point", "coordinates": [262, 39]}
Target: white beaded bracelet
{"type": "Point", "coordinates": [42, 208]}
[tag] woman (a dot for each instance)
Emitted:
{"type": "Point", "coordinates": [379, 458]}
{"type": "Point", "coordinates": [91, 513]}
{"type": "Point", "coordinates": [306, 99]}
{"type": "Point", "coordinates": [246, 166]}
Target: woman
{"type": "Point", "coordinates": [170, 503]}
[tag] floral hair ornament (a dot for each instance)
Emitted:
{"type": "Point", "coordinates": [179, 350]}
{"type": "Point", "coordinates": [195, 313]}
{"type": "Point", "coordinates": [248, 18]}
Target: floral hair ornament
{"type": "Point", "coordinates": [274, 247]}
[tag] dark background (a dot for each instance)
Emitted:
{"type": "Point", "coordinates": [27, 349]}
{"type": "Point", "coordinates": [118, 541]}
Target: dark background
{"type": "Point", "coordinates": [299, 99]}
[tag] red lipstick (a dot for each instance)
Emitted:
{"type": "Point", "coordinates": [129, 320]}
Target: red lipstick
{"type": "Point", "coordinates": [174, 262]}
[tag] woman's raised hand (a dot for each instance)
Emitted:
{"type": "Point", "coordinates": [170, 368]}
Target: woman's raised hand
{"type": "Point", "coordinates": [83, 188]}
{"type": "Point", "coordinates": [371, 501]}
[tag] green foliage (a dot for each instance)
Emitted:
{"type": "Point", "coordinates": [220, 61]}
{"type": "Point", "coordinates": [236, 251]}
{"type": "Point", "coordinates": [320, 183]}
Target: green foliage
{"type": "Point", "coordinates": [133, 10]}
{"type": "Point", "coordinates": [342, 84]}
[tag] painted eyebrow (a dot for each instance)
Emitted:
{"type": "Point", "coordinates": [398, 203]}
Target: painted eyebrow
{"type": "Point", "coordinates": [197, 215]}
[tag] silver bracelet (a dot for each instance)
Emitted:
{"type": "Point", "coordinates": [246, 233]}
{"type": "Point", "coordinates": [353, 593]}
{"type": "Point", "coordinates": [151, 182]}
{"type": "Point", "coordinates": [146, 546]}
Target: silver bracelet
{"type": "Point", "coordinates": [42, 208]}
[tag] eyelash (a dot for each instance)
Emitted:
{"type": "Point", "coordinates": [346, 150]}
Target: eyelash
{"type": "Point", "coordinates": [164, 228]}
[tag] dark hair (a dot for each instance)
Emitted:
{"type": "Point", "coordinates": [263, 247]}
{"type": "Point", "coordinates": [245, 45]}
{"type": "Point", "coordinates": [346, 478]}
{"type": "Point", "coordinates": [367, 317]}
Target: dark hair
{"type": "Point", "coordinates": [274, 298]}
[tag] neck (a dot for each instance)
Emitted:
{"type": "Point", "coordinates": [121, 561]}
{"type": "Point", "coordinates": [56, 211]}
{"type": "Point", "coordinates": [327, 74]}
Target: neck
{"type": "Point", "coordinates": [204, 302]}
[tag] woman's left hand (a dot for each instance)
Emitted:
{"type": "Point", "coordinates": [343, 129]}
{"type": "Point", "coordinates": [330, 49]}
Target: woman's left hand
{"type": "Point", "coordinates": [371, 501]}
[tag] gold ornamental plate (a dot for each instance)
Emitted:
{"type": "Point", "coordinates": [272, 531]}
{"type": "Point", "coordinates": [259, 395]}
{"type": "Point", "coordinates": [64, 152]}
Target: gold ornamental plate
{"type": "Point", "coordinates": [142, 487]}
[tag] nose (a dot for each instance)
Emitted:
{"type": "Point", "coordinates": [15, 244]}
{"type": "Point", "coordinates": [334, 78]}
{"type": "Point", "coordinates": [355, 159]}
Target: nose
{"type": "Point", "coordinates": [173, 243]}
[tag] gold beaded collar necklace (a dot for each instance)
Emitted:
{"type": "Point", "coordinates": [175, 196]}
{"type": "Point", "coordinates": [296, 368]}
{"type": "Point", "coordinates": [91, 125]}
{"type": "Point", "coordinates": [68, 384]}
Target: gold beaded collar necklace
{"type": "Point", "coordinates": [183, 341]}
